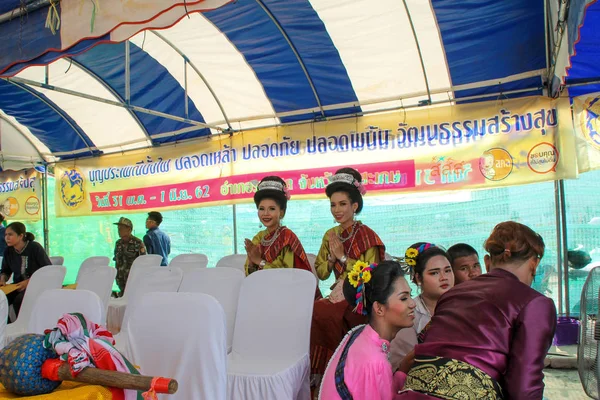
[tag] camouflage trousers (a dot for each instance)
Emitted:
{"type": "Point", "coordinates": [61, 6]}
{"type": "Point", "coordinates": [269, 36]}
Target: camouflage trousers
{"type": "Point", "coordinates": [122, 276]}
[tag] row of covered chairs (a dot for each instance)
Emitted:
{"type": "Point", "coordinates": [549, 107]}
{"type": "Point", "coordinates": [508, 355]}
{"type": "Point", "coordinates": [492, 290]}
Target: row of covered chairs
{"type": "Point", "coordinates": [268, 325]}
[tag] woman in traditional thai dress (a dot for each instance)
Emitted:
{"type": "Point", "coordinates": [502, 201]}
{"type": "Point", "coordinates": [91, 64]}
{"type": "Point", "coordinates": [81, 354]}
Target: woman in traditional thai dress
{"type": "Point", "coordinates": [360, 367]}
{"type": "Point", "coordinates": [276, 246]}
{"type": "Point", "coordinates": [489, 336]}
{"type": "Point", "coordinates": [342, 246]}
{"type": "Point", "coordinates": [431, 271]}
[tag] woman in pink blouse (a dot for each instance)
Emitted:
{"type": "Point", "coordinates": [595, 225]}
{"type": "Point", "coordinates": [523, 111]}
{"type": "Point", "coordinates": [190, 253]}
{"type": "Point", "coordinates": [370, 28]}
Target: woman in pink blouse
{"type": "Point", "coordinates": [360, 367]}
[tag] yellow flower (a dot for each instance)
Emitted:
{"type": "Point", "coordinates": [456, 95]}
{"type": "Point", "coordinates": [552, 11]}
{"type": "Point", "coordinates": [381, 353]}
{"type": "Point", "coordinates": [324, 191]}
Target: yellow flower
{"type": "Point", "coordinates": [360, 266]}
{"type": "Point", "coordinates": [366, 276]}
{"type": "Point", "coordinates": [412, 253]}
{"type": "Point", "coordinates": [411, 261]}
{"type": "Point", "coordinates": [353, 278]}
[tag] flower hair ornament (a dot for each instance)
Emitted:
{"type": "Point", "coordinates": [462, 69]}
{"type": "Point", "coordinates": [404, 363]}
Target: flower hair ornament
{"type": "Point", "coordinates": [360, 274]}
{"type": "Point", "coordinates": [410, 257]}
{"type": "Point", "coordinates": [274, 185]}
{"type": "Point", "coordinates": [350, 180]}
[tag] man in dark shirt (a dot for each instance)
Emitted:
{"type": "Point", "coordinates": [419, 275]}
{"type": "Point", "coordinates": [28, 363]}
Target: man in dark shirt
{"type": "Point", "coordinates": [127, 249]}
{"type": "Point", "coordinates": [155, 240]}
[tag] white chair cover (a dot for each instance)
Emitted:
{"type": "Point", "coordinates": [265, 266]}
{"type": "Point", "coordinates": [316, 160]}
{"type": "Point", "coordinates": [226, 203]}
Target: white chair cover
{"type": "Point", "coordinates": [53, 304]}
{"type": "Point", "coordinates": [116, 307]}
{"type": "Point", "coordinates": [181, 335]}
{"type": "Point", "coordinates": [187, 266]}
{"type": "Point", "coordinates": [150, 280]}
{"type": "Point", "coordinates": [236, 261]}
{"type": "Point", "coordinates": [223, 284]}
{"type": "Point", "coordinates": [3, 317]}
{"type": "Point", "coordinates": [101, 261]}
{"type": "Point", "coordinates": [388, 256]}
{"type": "Point", "coordinates": [100, 281]}
{"type": "Point", "coordinates": [200, 259]}
{"type": "Point", "coordinates": [45, 278]}
{"type": "Point", "coordinates": [312, 258]}
{"type": "Point", "coordinates": [269, 359]}
{"type": "Point", "coordinates": [57, 260]}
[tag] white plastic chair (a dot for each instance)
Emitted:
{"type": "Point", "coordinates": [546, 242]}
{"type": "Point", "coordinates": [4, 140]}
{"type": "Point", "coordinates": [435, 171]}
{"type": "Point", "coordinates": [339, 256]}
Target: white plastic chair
{"type": "Point", "coordinates": [269, 359]}
{"type": "Point", "coordinates": [223, 284]}
{"type": "Point", "coordinates": [57, 260]}
{"type": "Point", "coordinates": [236, 261]}
{"type": "Point", "coordinates": [116, 307]}
{"type": "Point", "coordinates": [200, 259]}
{"type": "Point", "coordinates": [100, 281]}
{"type": "Point", "coordinates": [101, 261]}
{"type": "Point", "coordinates": [3, 317]}
{"type": "Point", "coordinates": [193, 325]}
{"type": "Point", "coordinates": [53, 304]}
{"type": "Point", "coordinates": [45, 278]}
{"type": "Point", "coordinates": [150, 280]}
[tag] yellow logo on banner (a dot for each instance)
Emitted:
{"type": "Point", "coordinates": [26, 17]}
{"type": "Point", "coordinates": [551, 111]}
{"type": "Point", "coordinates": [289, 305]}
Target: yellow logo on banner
{"type": "Point", "coordinates": [10, 207]}
{"type": "Point", "coordinates": [496, 164]}
{"type": "Point", "coordinates": [72, 190]}
{"type": "Point", "coordinates": [590, 121]}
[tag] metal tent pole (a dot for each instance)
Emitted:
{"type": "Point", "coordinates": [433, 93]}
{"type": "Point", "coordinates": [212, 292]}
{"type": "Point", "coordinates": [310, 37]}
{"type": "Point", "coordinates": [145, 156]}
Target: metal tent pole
{"type": "Point", "coordinates": [564, 245]}
{"type": "Point", "coordinates": [558, 246]}
{"type": "Point", "coordinates": [45, 209]}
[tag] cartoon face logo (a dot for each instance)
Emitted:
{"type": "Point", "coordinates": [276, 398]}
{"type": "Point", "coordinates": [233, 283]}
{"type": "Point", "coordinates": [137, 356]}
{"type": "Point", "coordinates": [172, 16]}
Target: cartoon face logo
{"type": "Point", "coordinates": [495, 164]}
{"type": "Point", "coordinates": [71, 188]}
{"type": "Point", "coordinates": [590, 122]}
{"type": "Point", "coordinates": [10, 207]}
{"type": "Point", "coordinates": [486, 165]}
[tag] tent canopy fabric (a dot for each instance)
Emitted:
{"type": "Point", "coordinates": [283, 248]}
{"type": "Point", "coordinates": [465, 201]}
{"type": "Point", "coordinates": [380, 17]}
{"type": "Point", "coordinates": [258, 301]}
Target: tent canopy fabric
{"type": "Point", "coordinates": [218, 66]}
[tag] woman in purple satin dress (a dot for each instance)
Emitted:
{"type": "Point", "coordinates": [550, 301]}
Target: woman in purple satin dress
{"type": "Point", "coordinates": [489, 336]}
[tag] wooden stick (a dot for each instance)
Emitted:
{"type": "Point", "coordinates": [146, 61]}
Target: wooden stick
{"type": "Point", "coordinates": [7, 289]}
{"type": "Point", "coordinates": [103, 377]}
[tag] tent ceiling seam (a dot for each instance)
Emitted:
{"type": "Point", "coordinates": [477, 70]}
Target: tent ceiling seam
{"type": "Point", "coordinates": [200, 75]}
{"type": "Point", "coordinates": [56, 109]}
{"type": "Point", "coordinates": [112, 91]}
{"type": "Point", "coordinates": [414, 32]}
{"type": "Point", "coordinates": [295, 51]}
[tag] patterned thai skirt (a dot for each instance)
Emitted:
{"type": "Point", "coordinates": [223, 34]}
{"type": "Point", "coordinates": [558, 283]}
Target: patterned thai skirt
{"type": "Point", "coordinates": [445, 378]}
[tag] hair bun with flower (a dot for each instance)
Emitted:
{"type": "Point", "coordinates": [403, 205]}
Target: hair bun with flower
{"type": "Point", "coordinates": [410, 257]}
{"type": "Point", "coordinates": [358, 277]}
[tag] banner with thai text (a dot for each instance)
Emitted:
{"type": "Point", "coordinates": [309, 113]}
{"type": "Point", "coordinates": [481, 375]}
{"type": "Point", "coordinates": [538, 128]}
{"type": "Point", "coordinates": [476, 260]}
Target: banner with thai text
{"type": "Point", "coordinates": [586, 118]}
{"type": "Point", "coordinates": [20, 195]}
{"type": "Point", "coordinates": [470, 146]}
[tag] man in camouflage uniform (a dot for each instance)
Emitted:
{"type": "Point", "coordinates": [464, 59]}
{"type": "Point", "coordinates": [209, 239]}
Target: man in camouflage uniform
{"type": "Point", "coordinates": [127, 249]}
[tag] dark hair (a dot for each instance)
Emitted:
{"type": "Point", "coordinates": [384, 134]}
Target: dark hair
{"type": "Point", "coordinates": [379, 288]}
{"type": "Point", "coordinates": [511, 241]}
{"type": "Point", "coordinates": [460, 250]}
{"type": "Point", "coordinates": [351, 190]}
{"type": "Point", "coordinates": [1, 217]}
{"type": "Point", "coordinates": [578, 258]}
{"type": "Point", "coordinates": [276, 195]}
{"type": "Point", "coordinates": [19, 229]}
{"type": "Point", "coordinates": [423, 258]}
{"type": "Point", "coordinates": [156, 217]}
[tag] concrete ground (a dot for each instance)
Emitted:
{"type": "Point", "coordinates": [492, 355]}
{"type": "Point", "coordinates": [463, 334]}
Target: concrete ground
{"type": "Point", "coordinates": [561, 376]}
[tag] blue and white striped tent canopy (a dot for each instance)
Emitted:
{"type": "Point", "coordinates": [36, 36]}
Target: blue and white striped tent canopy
{"type": "Point", "coordinates": [213, 66]}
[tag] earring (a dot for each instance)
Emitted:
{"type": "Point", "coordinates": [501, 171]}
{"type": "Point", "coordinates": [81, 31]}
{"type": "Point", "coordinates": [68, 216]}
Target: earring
{"type": "Point", "coordinates": [260, 225]}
